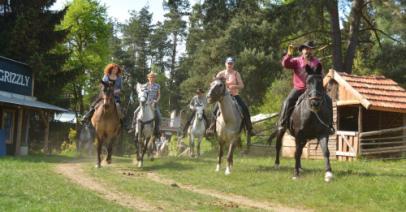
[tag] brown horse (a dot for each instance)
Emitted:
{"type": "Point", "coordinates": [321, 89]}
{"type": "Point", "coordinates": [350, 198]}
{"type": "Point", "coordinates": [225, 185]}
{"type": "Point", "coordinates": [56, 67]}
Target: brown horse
{"type": "Point", "coordinates": [106, 121]}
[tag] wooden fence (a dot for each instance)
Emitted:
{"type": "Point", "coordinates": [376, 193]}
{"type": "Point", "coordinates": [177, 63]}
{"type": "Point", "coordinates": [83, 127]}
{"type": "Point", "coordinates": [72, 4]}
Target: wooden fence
{"type": "Point", "coordinates": [383, 142]}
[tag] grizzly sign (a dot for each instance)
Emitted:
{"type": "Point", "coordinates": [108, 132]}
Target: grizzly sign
{"type": "Point", "coordinates": [15, 77]}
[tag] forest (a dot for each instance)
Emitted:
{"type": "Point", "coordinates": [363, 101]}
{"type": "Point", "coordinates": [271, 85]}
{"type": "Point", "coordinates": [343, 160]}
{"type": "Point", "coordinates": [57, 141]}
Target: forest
{"type": "Point", "coordinates": [68, 49]}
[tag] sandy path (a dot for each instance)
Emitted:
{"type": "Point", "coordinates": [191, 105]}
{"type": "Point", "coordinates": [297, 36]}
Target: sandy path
{"type": "Point", "coordinates": [76, 174]}
{"type": "Point", "coordinates": [225, 198]}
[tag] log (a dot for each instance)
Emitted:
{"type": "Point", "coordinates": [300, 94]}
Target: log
{"type": "Point", "coordinates": [383, 143]}
{"type": "Point", "coordinates": [381, 132]}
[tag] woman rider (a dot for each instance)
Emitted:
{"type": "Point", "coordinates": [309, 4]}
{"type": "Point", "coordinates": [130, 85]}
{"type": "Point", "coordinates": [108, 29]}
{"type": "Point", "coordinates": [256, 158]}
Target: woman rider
{"type": "Point", "coordinates": [112, 74]}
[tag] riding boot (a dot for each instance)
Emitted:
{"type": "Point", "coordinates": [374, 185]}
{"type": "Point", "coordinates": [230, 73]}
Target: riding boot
{"type": "Point", "coordinates": [187, 124]}
{"type": "Point", "coordinates": [157, 122]}
{"type": "Point", "coordinates": [212, 128]}
{"type": "Point", "coordinates": [88, 116]}
{"type": "Point", "coordinates": [287, 108]}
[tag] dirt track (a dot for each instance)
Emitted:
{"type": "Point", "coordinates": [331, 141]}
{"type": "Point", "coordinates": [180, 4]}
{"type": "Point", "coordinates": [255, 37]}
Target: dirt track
{"type": "Point", "coordinates": [74, 172]}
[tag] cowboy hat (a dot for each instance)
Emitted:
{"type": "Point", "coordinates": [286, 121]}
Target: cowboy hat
{"type": "Point", "coordinates": [307, 44]}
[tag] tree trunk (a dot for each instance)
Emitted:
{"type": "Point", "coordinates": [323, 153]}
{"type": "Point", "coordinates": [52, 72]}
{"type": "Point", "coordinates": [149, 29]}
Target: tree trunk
{"type": "Point", "coordinates": [355, 17]}
{"type": "Point", "coordinates": [332, 7]}
{"type": "Point", "coordinates": [172, 98]}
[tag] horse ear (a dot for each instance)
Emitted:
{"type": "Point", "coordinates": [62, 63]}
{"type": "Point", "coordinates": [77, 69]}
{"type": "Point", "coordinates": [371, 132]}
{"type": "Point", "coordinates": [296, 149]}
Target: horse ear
{"type": "Point", "coordinates": [309, 70]}
{"type": "Point", "coordinates": [319, 69]}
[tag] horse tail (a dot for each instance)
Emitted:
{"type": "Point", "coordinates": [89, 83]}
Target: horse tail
{"type": "Point", "coordinates": [272, 136]}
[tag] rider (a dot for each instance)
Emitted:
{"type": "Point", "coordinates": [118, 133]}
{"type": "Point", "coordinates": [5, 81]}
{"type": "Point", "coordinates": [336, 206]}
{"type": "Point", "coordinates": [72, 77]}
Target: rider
{"type": "Point", "coordinates": [234, 83]}
{"type": "Point", "coordinates": [198, 100]}
{"type": "Point", "coordinates": [154, 95]}
{"type": "Point", "coordinates": [297, 64]}
{"type": "Point", "coordinates": [112, 74]}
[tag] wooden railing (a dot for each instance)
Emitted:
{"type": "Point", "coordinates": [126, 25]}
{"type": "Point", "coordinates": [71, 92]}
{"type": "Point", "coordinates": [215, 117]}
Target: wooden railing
{"type": "Point", "coordinates": [387, 141]}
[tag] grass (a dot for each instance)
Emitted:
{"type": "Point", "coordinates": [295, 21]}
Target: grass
{"type": "Point", "coordinates": [360, 185]}
{"type": "Point", "coordinates": [29, 184]}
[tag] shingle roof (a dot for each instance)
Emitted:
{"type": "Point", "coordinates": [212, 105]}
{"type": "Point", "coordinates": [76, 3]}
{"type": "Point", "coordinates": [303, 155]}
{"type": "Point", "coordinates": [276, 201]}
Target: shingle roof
{"type": "Point", "coordinates": [380, 92]}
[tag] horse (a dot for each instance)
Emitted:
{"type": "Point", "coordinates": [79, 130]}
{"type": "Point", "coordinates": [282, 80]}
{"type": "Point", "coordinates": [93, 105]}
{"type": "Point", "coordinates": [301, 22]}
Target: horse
{"type": "Point", "coordinates": [144, 131]}
{"type": "Point", "coordinates": [309, 120]}
{"type": "Point", "coordinates": [106, 121]}
{"type": "Point", "coordinates": [229, 122]}
{"type": "Point", "coordinates": [197, 130]}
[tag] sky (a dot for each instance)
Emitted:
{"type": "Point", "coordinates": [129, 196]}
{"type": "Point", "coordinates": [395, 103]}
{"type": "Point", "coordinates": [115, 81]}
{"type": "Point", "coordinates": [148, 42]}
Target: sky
{"type": "Point", "coordinates": [119, 9]}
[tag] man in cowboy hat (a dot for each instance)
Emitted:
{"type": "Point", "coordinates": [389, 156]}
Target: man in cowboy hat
{"type": "Point", "coordinates": [198, 100]}
{"type": "Point", "coordinates": [154, 95]}
{"type": "Point", "coordinates": [297, 64]}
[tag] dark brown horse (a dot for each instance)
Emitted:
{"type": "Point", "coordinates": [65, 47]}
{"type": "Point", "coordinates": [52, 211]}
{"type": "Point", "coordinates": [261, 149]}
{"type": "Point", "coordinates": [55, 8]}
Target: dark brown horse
{"type": "Point", "coordinates": [106, 121]}
{"type": "Point", "coordinates": [311, 119]}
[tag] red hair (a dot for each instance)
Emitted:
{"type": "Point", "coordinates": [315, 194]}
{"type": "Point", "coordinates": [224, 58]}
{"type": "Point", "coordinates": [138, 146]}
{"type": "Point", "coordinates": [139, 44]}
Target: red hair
{"type": "Point", "coordinates": [109, 67]}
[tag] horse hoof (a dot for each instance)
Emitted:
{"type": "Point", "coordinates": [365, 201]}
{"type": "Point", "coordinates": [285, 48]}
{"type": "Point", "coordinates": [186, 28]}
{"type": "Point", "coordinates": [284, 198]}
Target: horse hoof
{"type": "Point", "coordinates": [277, 166]}
{"type": "Point", "coordinates": [295, 177]}
{"type": "Point", "coordinates": [328, 177]}
{"type": "Point", "coordinates": [217, 168]}
{"type": "Point", "coordinates": [227, 172]}
{"type": "Point", "coordinates": [139, 164]}
{"type": "Point", "coordinates": [97, 166]}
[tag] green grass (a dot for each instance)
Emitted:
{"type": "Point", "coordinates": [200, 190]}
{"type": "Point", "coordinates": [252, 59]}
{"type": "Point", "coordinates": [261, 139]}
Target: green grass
{"type": "Point", "coordinates": [29, 184]}
{"type": "Point", "coordinates": [360, 185]}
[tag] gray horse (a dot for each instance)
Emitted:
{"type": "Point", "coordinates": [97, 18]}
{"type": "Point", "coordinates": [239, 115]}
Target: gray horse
{"type": "Point", "coordinates": [311, 118]}
{"type": "Point", "coordinates": [144, 131]}
{"type": "Point", "coordinates": [229, 122]}
{"type": "Point", "coordinates": [197, 130]}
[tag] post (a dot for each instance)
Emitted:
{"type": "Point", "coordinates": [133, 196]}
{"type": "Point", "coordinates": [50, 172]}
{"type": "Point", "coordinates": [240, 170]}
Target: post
{"type": "Point", "coordinates": [45, 121]}
{"type": "Point", "coordinates": [19, 130]}
{"type": "Point", "coordinates": [360, 130]}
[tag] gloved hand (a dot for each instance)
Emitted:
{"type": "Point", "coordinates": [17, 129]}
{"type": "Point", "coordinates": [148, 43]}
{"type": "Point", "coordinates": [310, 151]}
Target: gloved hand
{"type": "Point", "coordinates": [291, 48]}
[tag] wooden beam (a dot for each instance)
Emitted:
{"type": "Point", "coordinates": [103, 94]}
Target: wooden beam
{"type": "Point", "coordinates": [388, 109]}
{"type": "Point", "coordinates": [348, 102]}
{"type": "Point", "coordinates": [360, 117]}
{"type": "Point", "coordinates": [350, 133]}
{"type": "Point", "coordinates": [45, 119]}
{"type": "Point", "coordinates": [381, 132]}
{"type": "Point", "coordinates": [349, 88]}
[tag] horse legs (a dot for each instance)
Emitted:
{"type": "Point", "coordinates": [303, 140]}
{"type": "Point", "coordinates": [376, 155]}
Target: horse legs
{"type": "Point", "coordinates": [99, 144]}
{"type": "Point", "coordinates": [192, 145]}
{"type": "Point", "coordinates": [326, 153]}
{"type": "Point", "coordinates": [198, 145]}
{"type": "Point", "coordinates": [230, 158]}
{"type": "Point", "coordinates": [109, 151]}
{"type": "Point", "coordinates": [144, 149]}
{"type": "Point", "coordinates": [220, 156]}
{"type": "Point", "coordinates": [140, 150]}
{"type": "Point", "coordinates": [279, 136]}
{"type": "Point", "coordinates": [298, 154]}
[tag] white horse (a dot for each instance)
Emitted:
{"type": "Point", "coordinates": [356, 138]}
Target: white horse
{"type": "Point", "coordinates": [144, 131]}
{"type": "Point", "coordinates": [228, 124]}
{"type": "Point", "coordinates": [196, 130]}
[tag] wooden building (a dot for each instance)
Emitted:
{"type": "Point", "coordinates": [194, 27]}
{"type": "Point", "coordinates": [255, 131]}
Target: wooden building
{"type": "Point", "coordinates": [17, 105]}
{"type": "Point", "coordinates": [369, 118]}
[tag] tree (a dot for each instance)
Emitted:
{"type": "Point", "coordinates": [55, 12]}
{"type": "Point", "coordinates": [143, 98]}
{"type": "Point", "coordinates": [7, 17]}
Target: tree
{"type": "Point", "coordinates": [88, 45]}
{"type": "Point", "coordinates": [28, 34]}
{"type": "Point", "coordinates": [176, 28]}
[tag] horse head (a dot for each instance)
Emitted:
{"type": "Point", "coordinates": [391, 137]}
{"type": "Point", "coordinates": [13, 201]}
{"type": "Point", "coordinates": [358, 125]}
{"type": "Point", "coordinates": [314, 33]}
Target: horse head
{"type": "Point", "coordinates": [199, 112]}
{"type": "Point", "coordinates": [314, 87]}
{"type": "Point", "coordinates": [107, 93]}
{"type": "Point", "coordinates": [142, 94]}
{"type": "Point", "coordinates": [217, 90]}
